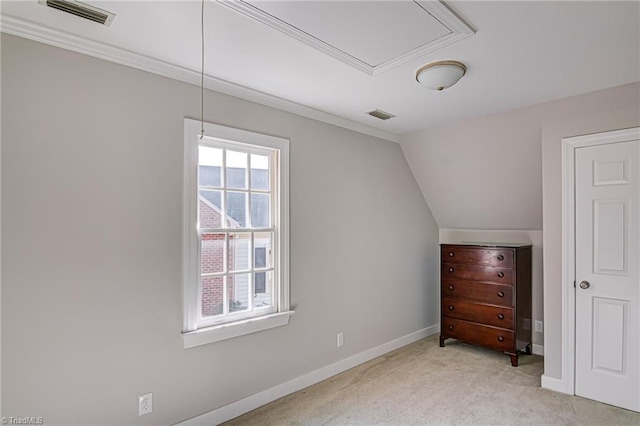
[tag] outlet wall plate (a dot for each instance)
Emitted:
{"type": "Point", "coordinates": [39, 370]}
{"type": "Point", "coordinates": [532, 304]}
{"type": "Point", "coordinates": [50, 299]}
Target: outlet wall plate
{"type": "Point", "coordinates": [538, 326]}
{"type": "Point", "coordinates": [145, 404]}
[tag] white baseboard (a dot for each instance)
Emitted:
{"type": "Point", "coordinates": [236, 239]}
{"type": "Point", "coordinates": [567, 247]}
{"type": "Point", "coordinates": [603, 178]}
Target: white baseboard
{"type": "Point", "coordinates": [252, 402]}
{"type": "Point", "coordinates": [537, 349]}
{"type": "Point", "coordinates": [550, 383]}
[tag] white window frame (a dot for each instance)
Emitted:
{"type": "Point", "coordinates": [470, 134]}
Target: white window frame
{"type": "Point", "coordinates": [197, 331]}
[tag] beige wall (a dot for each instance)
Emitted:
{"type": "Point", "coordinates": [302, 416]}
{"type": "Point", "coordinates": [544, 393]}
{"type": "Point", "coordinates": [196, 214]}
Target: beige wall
{"type": "Point", "coordinates": [601, 111]}
{"type": "Point", "coordinates": [503, 172]}
{"type": "Point", "coordinates": [91, 259]}
{"type": "Point", "coordinates": [0, 229]}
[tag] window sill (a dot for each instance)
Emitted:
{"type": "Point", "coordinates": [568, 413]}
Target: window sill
{"type": "Point", "coordinates": [221, 332]}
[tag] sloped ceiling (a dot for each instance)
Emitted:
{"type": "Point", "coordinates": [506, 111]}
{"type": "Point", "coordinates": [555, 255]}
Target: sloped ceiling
{"type": "Point", "coordinates": [486, 173]}
{"type": "Point", "coordinates": [480, 174]}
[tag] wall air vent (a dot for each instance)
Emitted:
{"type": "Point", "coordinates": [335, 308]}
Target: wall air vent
{"type": "Point", "coordinates": [380, 114]}
{"type": "Point", "coordinates": [82, 10]}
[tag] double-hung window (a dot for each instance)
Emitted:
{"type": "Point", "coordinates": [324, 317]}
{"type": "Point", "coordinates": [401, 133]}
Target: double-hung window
{"type": "Point", "coordinates": [235, 233]}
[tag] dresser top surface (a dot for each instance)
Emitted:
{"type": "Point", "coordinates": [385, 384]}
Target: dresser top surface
{"type": "Point", "coordinates": [486, 244]}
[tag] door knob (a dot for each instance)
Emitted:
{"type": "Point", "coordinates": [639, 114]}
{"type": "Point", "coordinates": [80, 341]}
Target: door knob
{"type": "Point", "coordinates": [585, 285]}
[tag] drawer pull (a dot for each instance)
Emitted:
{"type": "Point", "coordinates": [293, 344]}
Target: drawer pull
{"type": "Point", "coordinates": [501, 294]}
{"type": "Point", "coordinates": [451, 308]}
{"type": "Point", "coordinates": [500, 316]}
{"type": "Point", "coordinates": [500, 274]}
{"type": "Point", "coordinates": [500, 339]}
{"type": "Point", "coordinates": [500, 257]}
{"type": "Point", "coordinates": [450, 254]}
{"type": "Point", "coordinates": [450, 287]}
{"type": "Point", "coordinates": [450, 269]}
{"type": "Point", "coordinates": [451, 327]}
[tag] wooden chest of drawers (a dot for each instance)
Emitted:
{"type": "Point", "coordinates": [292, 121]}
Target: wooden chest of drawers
{"type": "Point", "coordinates": [486, 296]}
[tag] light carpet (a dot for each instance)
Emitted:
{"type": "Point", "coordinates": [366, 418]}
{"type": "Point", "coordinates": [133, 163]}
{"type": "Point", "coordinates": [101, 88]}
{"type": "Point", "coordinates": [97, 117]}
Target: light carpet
{"type": "Point", "coordinates": [423, 384]}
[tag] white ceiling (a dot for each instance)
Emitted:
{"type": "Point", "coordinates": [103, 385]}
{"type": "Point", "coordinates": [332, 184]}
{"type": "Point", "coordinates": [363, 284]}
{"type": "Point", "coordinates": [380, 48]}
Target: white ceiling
{"type": "Point", "coordinates": [522, 53]}
{"type": "Point", "coordinates": [373, 32]}
{"type": "Point", "coordinates": [372, 36]}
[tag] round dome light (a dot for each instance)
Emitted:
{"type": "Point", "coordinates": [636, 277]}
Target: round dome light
{"type": "Point", "coordinates": [440, 75]}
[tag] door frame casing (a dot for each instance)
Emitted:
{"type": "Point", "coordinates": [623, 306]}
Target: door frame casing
{"type": "Point", "coordinates": [569, 146]}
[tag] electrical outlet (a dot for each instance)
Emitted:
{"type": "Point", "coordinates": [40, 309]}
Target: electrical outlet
{"type": "Point", "coordinates": [145, 404]}
{"type": "Point", "coordinates": [340, 339]}
{"type": "Point", "coordinates": [538, 326]}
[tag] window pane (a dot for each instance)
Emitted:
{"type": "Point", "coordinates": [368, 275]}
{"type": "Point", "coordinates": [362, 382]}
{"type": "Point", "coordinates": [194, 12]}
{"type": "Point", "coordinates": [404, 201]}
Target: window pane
{"type": "Point", "coordinates": [263, 294]}
{"type": "Point", "coordinates": [210, 213]}
{"type": "Point", "coordinates": [260, 257]}
{"type": "Point", "coordinates": [260, 211]}
{"type": "Point", "coordinates": [259, 172]}
{"type": "Point", "coordinates": [236, 169]}
{"type": "Point", "coordinates": [239, 292]}
{"type": "Point", "coordinates": [260, 283]}
{"type": "Point", "coordinates": [239, 252]}
{"type": "Point", "coordinates": [209, 166]}
{"type": "Point", "coordinates": [262, 251]}
{"type": "Point", "coordinates": [212, 296]}
{"type": "Point", "coordinates": [212, 253]}
{"type": "Point", "coordinates": [236, 209]}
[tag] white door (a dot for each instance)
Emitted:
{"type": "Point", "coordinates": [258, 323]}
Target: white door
{"type": "Point", "coordinates": [607, 218]}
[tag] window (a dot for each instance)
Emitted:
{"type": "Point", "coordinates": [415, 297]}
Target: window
{"type": "Point", "coordinates": [235, 233]}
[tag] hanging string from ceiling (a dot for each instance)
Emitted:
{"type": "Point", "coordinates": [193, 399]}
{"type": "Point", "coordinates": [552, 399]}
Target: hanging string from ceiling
{"type": "Point", "coordinates": [202, 72]}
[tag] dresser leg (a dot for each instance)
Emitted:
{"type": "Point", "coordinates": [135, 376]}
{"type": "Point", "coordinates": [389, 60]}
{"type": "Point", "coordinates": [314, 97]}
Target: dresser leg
{"type": "Point", "coordinates": [528, 349]}
{"type": "Point", "coordinates": [442, 339]}
{"type": "Point", "coordinates": [514, 359]}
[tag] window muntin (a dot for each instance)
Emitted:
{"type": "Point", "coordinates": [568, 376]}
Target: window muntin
{"type": "Point", "coordinates": [236, 243]}
{"type": "Point", "coordinates": [234, 222]}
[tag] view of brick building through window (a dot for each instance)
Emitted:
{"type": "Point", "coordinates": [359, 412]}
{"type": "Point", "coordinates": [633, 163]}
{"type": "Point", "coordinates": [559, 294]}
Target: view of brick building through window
{"type": "Point", "coordinates": [239, 253]}
{"type": "Point", "coordinates": [212, 259]}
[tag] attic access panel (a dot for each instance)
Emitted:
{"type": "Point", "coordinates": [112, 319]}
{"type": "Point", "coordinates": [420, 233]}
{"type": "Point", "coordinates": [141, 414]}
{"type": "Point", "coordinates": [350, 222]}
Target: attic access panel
{"type": "Point", "coordinates": [372, 36]}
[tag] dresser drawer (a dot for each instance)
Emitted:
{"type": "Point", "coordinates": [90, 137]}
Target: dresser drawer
{"type": "Point", "coordinates": [477, 256]}
{"type": "Point", "coordinates": [493, 337]}
{"type": "Point", "coordinates": [477, 273]}
{"type": "Point", "coordinates": [495, 294]}
{"type": "Point", "coordinates": [477, 312]}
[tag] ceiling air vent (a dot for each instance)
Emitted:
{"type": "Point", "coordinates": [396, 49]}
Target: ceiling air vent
{"type": "Point", "coordinates": [82, 10]}
{"type": "Point", "coordinates": [380, 114]}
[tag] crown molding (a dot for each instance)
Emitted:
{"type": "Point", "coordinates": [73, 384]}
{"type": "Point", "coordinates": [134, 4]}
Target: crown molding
{"type": "Point", "coordinates": [43, 34]}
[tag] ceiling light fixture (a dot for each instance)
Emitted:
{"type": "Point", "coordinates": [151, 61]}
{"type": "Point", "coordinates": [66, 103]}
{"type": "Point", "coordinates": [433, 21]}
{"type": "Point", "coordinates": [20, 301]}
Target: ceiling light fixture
{"type": "Point", "coordinates": [440, 75]}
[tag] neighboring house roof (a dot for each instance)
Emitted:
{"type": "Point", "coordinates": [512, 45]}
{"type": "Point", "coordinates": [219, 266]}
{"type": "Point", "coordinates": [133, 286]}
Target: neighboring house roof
{"type": "Point", "coordinates": [236, 178]}
{"type": "Point", "coordinates": [232, 222]}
